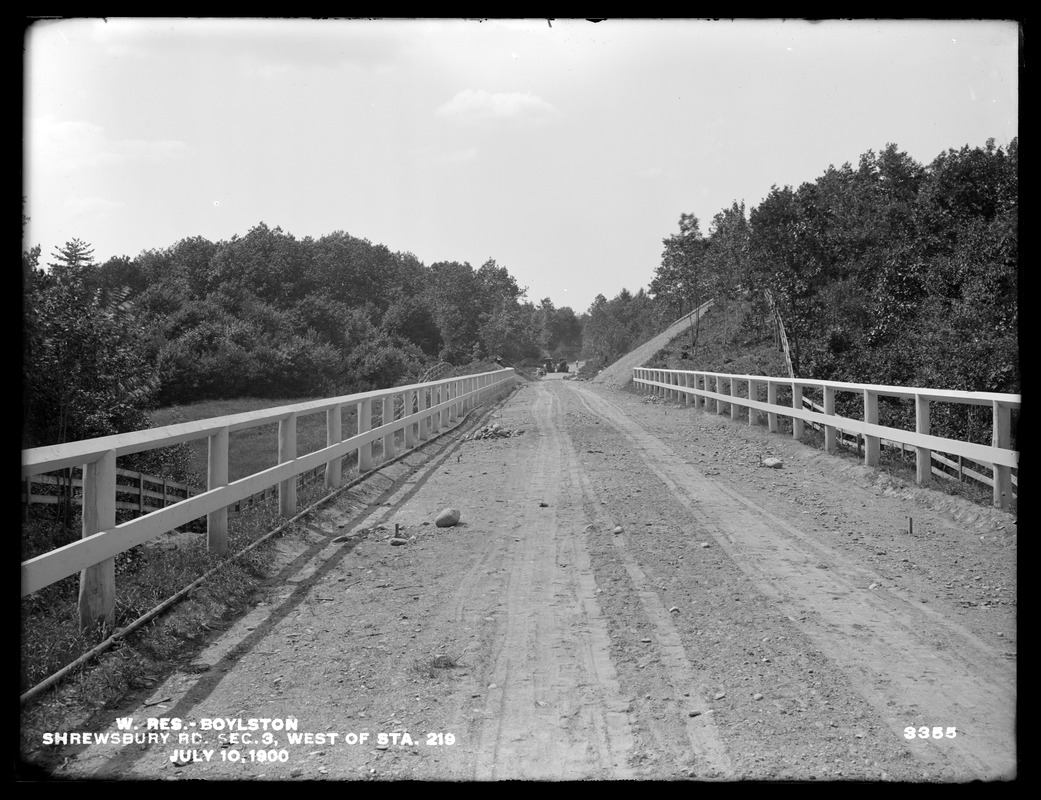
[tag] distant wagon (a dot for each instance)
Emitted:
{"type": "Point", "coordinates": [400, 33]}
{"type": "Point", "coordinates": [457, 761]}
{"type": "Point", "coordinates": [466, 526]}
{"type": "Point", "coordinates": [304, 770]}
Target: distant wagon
{"type": "Point", "coordinates": [562, 366]}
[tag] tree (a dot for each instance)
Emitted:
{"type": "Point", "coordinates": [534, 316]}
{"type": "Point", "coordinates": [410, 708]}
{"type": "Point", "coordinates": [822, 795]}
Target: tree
{"type": "Point", "coordinates": [72, 257]}
{"type": "Point", "coordinates": [84, 374]}
{"type": "Point", "coordinates": [681, 276]}
{"type": "Point", "coordinates": [727, 257]}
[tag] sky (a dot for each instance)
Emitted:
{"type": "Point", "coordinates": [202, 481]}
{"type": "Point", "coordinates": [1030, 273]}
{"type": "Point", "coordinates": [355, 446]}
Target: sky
{"type": "Point", "coordinates": [565, 150]}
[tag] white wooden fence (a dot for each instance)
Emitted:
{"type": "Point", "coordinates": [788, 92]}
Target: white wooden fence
{"type": "Point", "coordinates": [423, 409]}
{"type": "Point", "coordinates": [706, 391]}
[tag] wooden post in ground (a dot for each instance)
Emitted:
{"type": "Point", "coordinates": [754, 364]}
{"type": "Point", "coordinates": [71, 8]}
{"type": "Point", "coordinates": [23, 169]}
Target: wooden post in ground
{"type": "Point", "coordinates": [872, 444]}
{"type": "Point", "coordinates": [829, 410]}
{"type": "Point", "coordinates": [287, 452]}
{"type": "Point", "coordinates": [409, 399]}
{"type": "Point", "coordinates": [364, 425]}
{"type": "Point", "coordinates": [923, 455]}
{"type": "Point", "coordinates": [435, 401]}
{"type": "Point", "coordinates": [753, 395]}
{"type": "Point", "coordinates": [771, 398]}
{"type": "Point", "coordinates": [424, 404]}
{"type": "Point", "coordinates": [97, 598]}
{"type": "Point", "coordinates": [798, 425]}
{"type": "Point", "coordinates": [1002, 437]}
{"type": "Point", "coordinates": [389, 451]}
{"type": "Point", "coordinates": [217, 476]}
{"type": "Point", "coordinates": [334, 435]}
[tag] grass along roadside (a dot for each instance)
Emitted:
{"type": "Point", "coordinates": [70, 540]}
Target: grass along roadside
{"type": "Point", "coordinates": [51, 638]}
{"type": "Point", "coordinates": [253, 449]}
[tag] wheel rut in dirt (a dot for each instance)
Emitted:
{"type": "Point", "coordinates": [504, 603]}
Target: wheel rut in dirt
{"type": "Point", "coordinates": [557, 708]}
{"type": "Point", "coordinates": [904, 658]}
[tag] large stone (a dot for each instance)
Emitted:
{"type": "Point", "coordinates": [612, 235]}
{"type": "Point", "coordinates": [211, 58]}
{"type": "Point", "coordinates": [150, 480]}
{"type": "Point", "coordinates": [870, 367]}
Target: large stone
{"type": "Point", "coordinates": [448, 518]}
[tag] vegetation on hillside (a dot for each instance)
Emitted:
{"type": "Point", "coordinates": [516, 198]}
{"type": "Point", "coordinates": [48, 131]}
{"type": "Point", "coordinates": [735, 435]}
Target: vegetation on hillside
{"type": "Point", "coordinates": [889, 272]}
{"type": "Point", "coordinates": [263, 315]}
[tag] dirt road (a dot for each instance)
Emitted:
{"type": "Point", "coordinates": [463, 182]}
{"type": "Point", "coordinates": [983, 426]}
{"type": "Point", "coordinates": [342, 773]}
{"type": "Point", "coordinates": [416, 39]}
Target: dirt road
{"type": "Point", "coordinates": [629, 595]}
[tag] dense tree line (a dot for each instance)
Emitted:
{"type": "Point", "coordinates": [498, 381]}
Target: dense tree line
{"type": "Point", "coordinates": [888, 272]}
{"type": "Point", "coordinates": [611, 328]}
{"type": "Point", "coordinates": [261, 315]}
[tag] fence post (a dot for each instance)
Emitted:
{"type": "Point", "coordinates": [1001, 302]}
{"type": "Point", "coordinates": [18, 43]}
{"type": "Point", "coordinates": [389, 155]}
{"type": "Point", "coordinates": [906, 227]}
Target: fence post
{"type": "Point", "coordinates": [389, 450]}
{"type": "Point", "coordinates": [217, 476]}
{"type": "Point", "coordinates": [872, 444]}
{"type": "Point", "coordinates": [333, 435]}
{"type": "Point", "coordinates": [424, 404]}
{"type": "Point", "coordinates": [435, 401]}
{"type": "Point", "coordinates": [797, 423]}
{"type": "Point", "coordinates": [686, 383]}
{"type": "Point", "coordinates": [1002, 437]}
{"type": "Point", "coordinates": [753, 395]}
{"type": "Point", "coordinates": [287, 452]}
{"type": "Point", "coordinates": [719, 390]}
{"type": "Point", "coordinates": [453, 393]}
{"type": "Point", "coordinates": [97, 598]}
{"type": "Point", "coordinates": [771, 398]}
{"type": "Point", "coordinates": [408, 402]}
{"type": "Point", "coordinates": [733, 393]}
{"type": "Point", "coordinates": [364, 425]}
{"type": "Point", "coordinates": [923, 455]}
{"type": "Point", "coordinates": [829, 410]}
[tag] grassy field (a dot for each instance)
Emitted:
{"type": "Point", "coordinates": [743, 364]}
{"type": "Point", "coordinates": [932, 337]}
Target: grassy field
{"type": "Point", "coordinates": [253, 449]}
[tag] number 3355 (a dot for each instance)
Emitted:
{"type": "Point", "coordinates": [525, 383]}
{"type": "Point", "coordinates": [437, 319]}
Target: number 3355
{"type": "Point", "coordinates": [926, 732]}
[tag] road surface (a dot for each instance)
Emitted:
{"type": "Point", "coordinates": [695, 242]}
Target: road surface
{"type": "Point", "coordinates": [629, 595]}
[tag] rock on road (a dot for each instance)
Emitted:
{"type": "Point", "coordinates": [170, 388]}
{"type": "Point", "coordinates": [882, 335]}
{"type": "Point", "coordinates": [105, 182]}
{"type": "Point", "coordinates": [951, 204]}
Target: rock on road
{"type": "Point", "coordinates": [628, 595]}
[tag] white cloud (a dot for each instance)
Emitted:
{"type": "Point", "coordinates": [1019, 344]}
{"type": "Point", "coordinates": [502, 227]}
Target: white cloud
{"type": "Point", "coordinates": [472, 106]}
{"type": "Point", "coordinates": [90, 206]}
{"type": "Point", "coordinates": [70, 145]}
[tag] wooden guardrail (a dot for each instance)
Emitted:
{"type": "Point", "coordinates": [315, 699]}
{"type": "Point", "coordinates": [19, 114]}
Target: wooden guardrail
{"type": "Point", "coordinates": [425, 409]}
{"type": "Point", "coordinates": [704, 388]}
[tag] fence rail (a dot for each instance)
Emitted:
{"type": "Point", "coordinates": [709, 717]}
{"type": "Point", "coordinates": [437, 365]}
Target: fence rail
{"type": "Point", "coordinates": [706, 388]}
{"type": "Point", "coordinates": [431, 407]}
{"type": "Point", "coordinates": [133, 494]}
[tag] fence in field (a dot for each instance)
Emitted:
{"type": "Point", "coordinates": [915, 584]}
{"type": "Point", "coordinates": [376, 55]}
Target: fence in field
{"type": "Point", "coordinates": [135, 492]}
{"type": "Point", "coordinates": [409, 414]}
{"type": "Point", "coordinates": [933, 454]}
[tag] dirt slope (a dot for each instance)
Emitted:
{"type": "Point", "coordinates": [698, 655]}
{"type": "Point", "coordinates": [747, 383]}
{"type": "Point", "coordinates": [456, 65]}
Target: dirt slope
{"type": "Point", "coordinates": [619, 374]}
{"type": "Point", "coordinates": [743, 623]}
